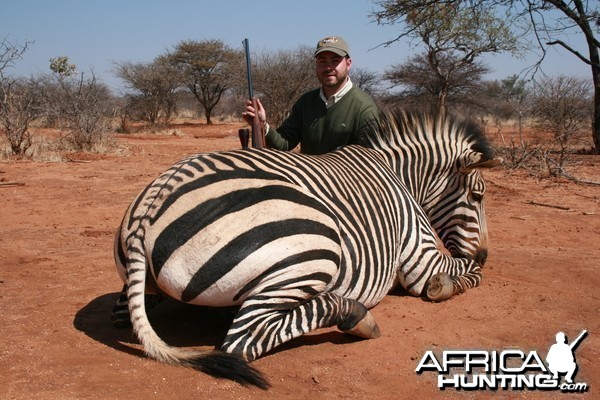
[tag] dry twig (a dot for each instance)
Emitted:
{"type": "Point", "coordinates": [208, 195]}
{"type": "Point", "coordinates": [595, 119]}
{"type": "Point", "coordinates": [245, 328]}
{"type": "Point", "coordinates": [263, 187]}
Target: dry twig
{"type": "Point", "coordinates": [9, 184]}
{"type": "Point", "coordinates": [577, 180]}
{"type": "Point", "coordinates": [535, 203]}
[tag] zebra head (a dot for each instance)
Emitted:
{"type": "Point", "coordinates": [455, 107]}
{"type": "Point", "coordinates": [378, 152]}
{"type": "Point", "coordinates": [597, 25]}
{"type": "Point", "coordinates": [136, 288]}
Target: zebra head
{"type": "Point", "coordinates": [440, 159]}
{"type": "Point", "coordinates": [458, 213]}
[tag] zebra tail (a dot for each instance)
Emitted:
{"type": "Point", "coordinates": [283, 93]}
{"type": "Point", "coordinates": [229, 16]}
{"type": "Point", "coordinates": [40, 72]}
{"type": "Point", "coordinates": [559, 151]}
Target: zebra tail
{"type": "Point", "coordinates": [215, 363]}
{"type": "Point", "coordinates": [229, 366]}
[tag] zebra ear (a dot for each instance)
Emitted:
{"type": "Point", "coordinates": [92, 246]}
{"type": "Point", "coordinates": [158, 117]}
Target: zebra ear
{"type": "Point", "coordinates": [475, 160]}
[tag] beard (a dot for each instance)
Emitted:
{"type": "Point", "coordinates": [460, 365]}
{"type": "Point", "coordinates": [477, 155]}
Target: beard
{"type": "Point", "coordinates": [337, 82]}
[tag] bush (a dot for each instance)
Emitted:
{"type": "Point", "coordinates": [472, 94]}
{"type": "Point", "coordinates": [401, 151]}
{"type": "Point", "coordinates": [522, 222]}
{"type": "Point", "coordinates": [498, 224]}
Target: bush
{"type": "Point", "coordinates": [81, 107]}
{"type": "Point", "coordinates": [562, 106]}
{"type": "Point", "coordinates": [19, 106]}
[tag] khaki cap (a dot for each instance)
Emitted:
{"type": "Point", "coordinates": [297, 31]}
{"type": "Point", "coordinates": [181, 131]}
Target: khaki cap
{"type": "Point", "coordinates": [334, 44]}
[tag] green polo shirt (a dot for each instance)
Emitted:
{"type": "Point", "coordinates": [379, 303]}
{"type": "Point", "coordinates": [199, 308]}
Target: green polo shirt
{"type": "Point", "coordinates": [319, 129]}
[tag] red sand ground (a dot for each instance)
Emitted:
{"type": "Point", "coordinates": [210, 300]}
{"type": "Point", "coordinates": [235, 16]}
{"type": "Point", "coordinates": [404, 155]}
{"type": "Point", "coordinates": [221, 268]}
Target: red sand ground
{"type": "Point", "coordinates": [58, 285]}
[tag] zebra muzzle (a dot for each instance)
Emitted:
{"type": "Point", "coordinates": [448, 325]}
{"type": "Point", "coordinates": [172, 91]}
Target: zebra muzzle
{"type": "Point", "coordinates": [481, 256]}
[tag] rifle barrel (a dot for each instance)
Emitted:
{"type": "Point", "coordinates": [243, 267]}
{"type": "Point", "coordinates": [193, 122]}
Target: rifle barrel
{"type": "Point", "coordinates": [248, 68]}
{"type": "Point", "coordinates": [258, 134]}
{"type": "Point", "coordinates": [575, 342]}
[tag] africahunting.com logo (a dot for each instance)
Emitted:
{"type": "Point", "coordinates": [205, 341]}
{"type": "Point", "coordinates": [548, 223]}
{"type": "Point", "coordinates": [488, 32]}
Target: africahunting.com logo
{"type": "Point", "coordinates": [509, 369]}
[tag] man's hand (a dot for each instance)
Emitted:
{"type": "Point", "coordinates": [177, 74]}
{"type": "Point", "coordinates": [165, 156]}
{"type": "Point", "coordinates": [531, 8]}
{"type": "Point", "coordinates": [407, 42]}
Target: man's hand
{"type": "Point", "coordinates": [248, 115]}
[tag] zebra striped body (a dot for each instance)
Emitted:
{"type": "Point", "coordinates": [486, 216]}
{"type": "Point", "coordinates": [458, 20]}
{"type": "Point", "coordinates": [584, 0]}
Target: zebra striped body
{"type": "Point", "coordinates": [298, 242]}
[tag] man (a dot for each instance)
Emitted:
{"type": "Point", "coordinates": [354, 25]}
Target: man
{"type": "Point", "coordinates": [325, 118]}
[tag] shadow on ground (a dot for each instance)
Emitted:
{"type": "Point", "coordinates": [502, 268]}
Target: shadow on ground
{"type": "Point", "coordinates": [180, 325]}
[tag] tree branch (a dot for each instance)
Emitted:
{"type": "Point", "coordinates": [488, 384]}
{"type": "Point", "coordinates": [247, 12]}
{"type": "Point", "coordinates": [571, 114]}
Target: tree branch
{"type": "Point", "coordinates": [571, 50]}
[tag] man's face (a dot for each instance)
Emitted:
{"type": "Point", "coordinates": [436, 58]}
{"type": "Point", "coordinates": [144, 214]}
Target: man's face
{"type": "Point", "coordinates": [332, 69]}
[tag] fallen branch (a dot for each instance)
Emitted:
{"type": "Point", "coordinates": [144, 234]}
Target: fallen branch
{"type": "Point", "coordinates": [74, 160]}
{"type": "Point", "coordinates": [535, 203]}
{"type": "Point", "coordinates": [8, 184]}
{"type": "Point", "coordinates": [584, 181]}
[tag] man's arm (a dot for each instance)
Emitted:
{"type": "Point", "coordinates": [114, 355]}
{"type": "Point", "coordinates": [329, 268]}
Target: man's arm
{"type": "Point", "coordinates": [289, 134]}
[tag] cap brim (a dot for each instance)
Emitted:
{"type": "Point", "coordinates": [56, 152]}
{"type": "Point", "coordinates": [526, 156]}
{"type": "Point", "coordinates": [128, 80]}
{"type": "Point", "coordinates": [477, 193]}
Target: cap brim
{"type": "Point", "coordinates": [337, 51]}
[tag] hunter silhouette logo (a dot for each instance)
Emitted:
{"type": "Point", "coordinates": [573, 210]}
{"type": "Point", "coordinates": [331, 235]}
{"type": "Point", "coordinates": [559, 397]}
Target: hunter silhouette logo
{"type": "Point", "coordinates": [561, 358]}
{"type": "Point", "coordinates": [509, 369]}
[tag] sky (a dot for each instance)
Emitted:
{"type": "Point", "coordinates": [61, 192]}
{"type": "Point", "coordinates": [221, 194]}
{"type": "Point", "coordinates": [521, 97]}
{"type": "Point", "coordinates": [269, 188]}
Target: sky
{"type": "Point", "coordinates": [96, 34]}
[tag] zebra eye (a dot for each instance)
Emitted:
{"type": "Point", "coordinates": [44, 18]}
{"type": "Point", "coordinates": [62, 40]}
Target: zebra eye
{"type": "Point", "coordinates": [477, 196]}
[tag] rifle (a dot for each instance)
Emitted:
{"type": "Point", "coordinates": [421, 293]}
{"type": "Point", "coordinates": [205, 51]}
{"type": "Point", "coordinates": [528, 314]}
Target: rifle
{"type": "Point", "coordinates": [258, 127]}
{"type": "Point", "coordinates": [575, 342]}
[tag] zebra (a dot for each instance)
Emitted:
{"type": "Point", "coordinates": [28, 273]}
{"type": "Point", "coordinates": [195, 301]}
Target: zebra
{"type": "Point", "coordinates": [296, 242]}
{"type": "Point", "coordinates": [439, 159]}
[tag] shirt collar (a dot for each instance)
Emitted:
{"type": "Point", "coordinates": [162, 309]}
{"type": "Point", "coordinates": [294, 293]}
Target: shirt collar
{"type": "Point", "coordinates": [337, 96]}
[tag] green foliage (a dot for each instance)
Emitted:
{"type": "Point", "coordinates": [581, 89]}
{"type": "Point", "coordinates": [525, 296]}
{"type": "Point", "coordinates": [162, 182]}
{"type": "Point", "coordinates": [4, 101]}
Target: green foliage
{"type": "Point", "coordinates": [498, 25]}
{"type": "Point", "coordinates": [62, 66]}
{"type": "Point", "coordinates": [454, 35]}
{"type": "Point", "coordinates": [208, 69]}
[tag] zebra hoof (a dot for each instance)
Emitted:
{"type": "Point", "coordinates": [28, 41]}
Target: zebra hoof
{"type": "Point", "coordinates": [440, 287]}
{"type": "Point", "coordinates": [366, 328]}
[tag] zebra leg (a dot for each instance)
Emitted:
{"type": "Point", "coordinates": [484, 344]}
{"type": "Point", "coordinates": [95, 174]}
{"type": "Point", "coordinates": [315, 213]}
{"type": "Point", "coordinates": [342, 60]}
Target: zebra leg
{"type": "Point", "coordinates": [443, 286]}
{"type": "Point", "coordinates": [264, 323]}
{"type": "Point", "coordinates": [120, 313]}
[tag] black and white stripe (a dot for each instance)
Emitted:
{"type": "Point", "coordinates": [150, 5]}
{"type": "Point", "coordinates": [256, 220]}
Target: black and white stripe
{"type": "Point", "coordinates": [440, 160]}
{"type": "Point", "coordinates": [298, 242]}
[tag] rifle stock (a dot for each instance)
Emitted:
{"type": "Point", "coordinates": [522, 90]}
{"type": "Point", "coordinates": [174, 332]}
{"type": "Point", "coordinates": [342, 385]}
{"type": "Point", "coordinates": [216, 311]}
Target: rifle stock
{"type": "Point", "coordinates": [258, 126]}
{"type": "Point", "coordinates": [244, 134]}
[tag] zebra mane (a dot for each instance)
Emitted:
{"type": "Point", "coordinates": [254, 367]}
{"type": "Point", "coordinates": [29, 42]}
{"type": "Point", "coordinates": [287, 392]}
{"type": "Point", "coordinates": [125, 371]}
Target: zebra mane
{"type": "Point", "coordinates": [396, 126]}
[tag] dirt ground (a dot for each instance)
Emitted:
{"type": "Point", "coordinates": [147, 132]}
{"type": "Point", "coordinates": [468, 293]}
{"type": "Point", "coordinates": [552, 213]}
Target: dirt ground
{"type": "Point", "coordinates": [58, 284]}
